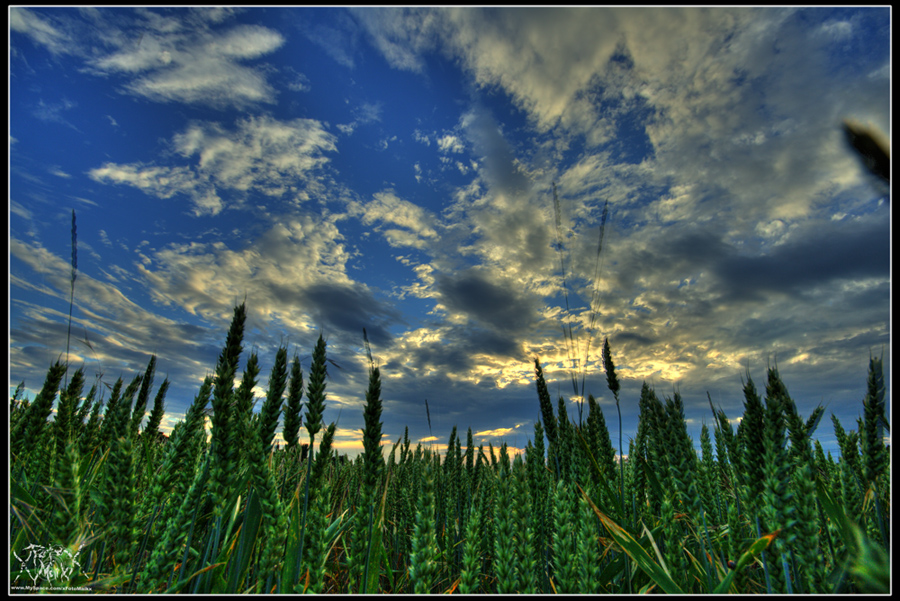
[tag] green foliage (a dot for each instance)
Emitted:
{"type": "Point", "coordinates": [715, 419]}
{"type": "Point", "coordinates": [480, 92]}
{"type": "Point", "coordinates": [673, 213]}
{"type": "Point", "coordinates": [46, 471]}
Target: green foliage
{"type": "Point", "coordinates": [271, 409]}
{"type": "Point", "coordinates": [565, 567]}
{"type": "Point", "coordinates": [315, 391]}
{"type": "Point", "coordinates": [372, 459]}
{"type": "Point", "coordinates": [546, 405]}
{"type": "Point", "coordinates": [294, 405]}
{"type": "Point", "coordinates": [31, 424]}
{"type": "Point", "coordinates": [143, 397]}
{"type": "Point", "coordinates": [224, 455]}
{"type": "Point", "coordinates": [761, 509]}
{"type": "Point", "coordinates": [470, 580]}
{"type": "Point", "coordinates": [423, 562]}
{"type": "Point", "coordinates": [156, 414]}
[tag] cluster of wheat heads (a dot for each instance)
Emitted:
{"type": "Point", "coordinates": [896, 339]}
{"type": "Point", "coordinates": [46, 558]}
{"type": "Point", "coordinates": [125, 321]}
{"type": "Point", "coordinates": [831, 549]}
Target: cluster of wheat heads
{"type": "Point", "coordinates": [759, 509]}
{"type": "Point", "coordinates": [767, 512]}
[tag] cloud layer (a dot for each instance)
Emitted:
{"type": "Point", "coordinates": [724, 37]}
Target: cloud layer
{"type": "Point", "coordinates": [316, 164]}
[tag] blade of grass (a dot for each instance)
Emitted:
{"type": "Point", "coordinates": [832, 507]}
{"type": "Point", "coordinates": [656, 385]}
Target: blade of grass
{"type": "Point", "coordinates": [293, 550]}
{"type": "Point", "coordinates": [636, 552]}
{"type": "Point", "coordinates": [757, 547]}
{"type": "Point", "coordinates": [182, 583]}
{"type": "Point", "coordinates": [376, 546]}
{"type": "Point", "coordinates": [249, 533]}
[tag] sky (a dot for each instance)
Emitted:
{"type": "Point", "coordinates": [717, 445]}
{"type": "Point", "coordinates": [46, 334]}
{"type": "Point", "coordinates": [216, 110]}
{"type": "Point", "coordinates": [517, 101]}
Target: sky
{"type": "Point", "coordinates": [393, 169]}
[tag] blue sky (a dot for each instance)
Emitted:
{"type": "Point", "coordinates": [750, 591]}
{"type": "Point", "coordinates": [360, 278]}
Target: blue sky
{"type": "Point", "coordinates": [393, 169]}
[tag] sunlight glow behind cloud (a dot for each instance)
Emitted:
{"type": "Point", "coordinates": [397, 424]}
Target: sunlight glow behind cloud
{"type": "Point", "coordinates": [392, 169]}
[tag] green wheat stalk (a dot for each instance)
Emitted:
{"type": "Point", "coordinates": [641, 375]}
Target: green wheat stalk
{"type": "Point", "coordinates": [612, 381]}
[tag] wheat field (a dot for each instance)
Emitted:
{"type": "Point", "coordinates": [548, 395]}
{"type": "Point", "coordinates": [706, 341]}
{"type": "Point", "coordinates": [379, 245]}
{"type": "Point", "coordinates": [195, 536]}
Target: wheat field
{"type": "Point", "coordinates": [760, 509]}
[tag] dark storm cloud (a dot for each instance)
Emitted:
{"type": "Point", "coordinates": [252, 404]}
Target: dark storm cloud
{"type": "Point", "coordinates": [488, 342]}
{"type": "Point", "coordinates": [350, 310]}
{"type": "Point", "coordinates": [823, 254]}
{"type": "Point", "coordinates": [867, 305]}
{"type": "Point", "coordinates": [694, 248]}
{"type": "Point", "coordinates": [671, 254]}
{"type": "Point", "coordinates": [459, 350]}
{"type": "Point", "coordinates": [494, 305]}
{"type": "Point", "coordinates": [813, 256]}
{"type": "Point", "coordinates": [445, 356]}
{"type": "Point", "coordinates": [632, 337]}
{"type": "Point", "coordinates": [763, 332]}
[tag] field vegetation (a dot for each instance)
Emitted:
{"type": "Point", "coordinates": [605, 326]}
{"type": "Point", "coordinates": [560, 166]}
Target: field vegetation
{"type": "Point", "coordinates": [760, 509]}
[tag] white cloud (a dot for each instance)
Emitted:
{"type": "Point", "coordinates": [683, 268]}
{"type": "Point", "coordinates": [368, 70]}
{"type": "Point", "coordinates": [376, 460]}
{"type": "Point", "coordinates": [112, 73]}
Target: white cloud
{"type": "Point", "coordinates": [200, 65]}
{"type": "Point", "coordinates": [39, 29]}
{"type": "Point", "coordinates": [190, 58]}
{"type": "Point", "coordinates": [836, 30]}
{"type": "Point", "coordinates": [17, 208]}
{"type": "Point", "coordinates": [403, 238]}
{"type": "Point", "coordinates": [262, 154]}
{"type": "Point", "coordinates": [163, 182]}
{"type": "Point", "coordinates": [387, 207]}
{"type": "Point", "coordinates": [704, 79]}
{"type": "Point", "coordinates": [450, 143]}
{"type": "Point", "coordinates": [245, 41]}
{"type": "Point", "coordinates": [401, 36]}
{"type": "Point", "coordinates": [543, 57]}
{"type": "Point", "coordinates": [273, 271]}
